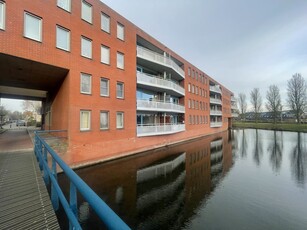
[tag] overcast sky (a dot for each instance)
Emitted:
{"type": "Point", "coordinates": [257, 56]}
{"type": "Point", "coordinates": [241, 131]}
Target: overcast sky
{"type": "Point", "coordinates": [242, 44]}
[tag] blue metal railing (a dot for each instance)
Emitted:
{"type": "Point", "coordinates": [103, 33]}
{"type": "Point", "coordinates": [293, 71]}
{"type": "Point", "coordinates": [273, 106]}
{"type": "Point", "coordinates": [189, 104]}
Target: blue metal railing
{"type": "Point", "coordinates": [104, 212]}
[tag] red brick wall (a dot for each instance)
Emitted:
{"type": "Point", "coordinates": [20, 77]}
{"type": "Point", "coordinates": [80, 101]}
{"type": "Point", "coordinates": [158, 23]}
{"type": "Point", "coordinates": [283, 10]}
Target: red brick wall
{"type": "Point", "coordinates": [94, 144]}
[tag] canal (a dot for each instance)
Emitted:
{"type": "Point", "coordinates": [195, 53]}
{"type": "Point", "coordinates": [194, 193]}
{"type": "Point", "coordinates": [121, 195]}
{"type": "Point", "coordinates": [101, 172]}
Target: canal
{"type": "Point", "coordinates": [240, 179]}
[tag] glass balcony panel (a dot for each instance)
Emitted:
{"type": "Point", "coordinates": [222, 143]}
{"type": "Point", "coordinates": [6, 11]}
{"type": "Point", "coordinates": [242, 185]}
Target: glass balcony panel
{"type": "Point", "coordinates": [147, 105]}
{"type": "Point", "coordinates": [151, 80]}
{"type": "Point", "coordinates": [153, 130]}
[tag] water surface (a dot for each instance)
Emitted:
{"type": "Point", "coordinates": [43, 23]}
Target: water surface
{"type": "Point", "coordinates": [241, 179]}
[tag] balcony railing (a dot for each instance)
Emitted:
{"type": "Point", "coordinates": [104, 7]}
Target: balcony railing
{"type": "Point", "coordinates": [147, 79]}
{"type": "Point", "coordinates": [215, 124]}
{"type": "Point", "coordinates": [161, 106]}
{"type": "Point", "coordinates": [233, 99]}
{"type": "Point", "coordinates": [159, 58]}
{"type": "Point", "coordinates": [234, 114]}
{"type": "Point", "coordinates": [215, 89]}
{"type": "Point", "coordinates": [216, 113]}
{"type": "Point", "coordinates": [233, 106]}
{"type": "Point", "coordinates": [153, 130]}
{"type": "Point", "coordinates": [215, 101]}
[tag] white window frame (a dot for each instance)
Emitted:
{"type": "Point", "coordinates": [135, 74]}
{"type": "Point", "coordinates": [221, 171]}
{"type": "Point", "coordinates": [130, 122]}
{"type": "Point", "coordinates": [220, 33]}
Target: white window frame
{"type": "Point", "coordinates": [108, 87]}
{"type": "Point", "coordinates": [120, 31]}
{"type": "Point", "coordinates": [104, 53]}
{"type": "Point", "coordinates": [84, 16]}
{"type": "Point", "coordinates": [84, 52]}
{"type": "Point", "coordinates": [107, 19]}
{"type": "Point", "coordinates": [123, 90]}
{"type": "Point", "coordinates": [2, 15]}
{"type": "Point", "coordinates": [120, 65]}
{"type": "Point", "coordinates": [121, 125]}
{"type": "Point", "coordinates": [64, 4]}
{"type": "Point", "coordinates": [89, 120]}
{"type": "Point", "coordinates": [83, 75]}
{"type": "Point", "coordinates": [68, 38]}
{"type": "Point", "coordinates": [40, 25]}
{"type": "Point", "coordinates": [108, 120]}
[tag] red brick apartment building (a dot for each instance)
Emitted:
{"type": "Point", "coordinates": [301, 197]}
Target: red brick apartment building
{"type": "Point", "coordinates": [114, 88]}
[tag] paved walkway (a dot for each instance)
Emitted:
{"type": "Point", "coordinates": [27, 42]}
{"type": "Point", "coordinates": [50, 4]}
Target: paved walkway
{"type": "Point", "coordinates": [24, 200]}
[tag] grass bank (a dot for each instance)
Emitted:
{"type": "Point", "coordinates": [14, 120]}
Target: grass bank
{"type": "Point", "coordinates": [271, 126]}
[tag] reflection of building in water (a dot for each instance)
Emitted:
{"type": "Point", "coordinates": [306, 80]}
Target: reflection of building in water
{"type": "Point", "coordinates": [162, 187]}
{"type": "Point", "coordinates": [160, 191]}
{"type": "Point", "coordinates": [216, 161]}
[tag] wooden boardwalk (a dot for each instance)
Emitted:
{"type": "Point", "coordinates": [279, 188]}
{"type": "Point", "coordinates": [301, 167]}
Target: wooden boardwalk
{"type": "Point", "coordinates": [24, 200]}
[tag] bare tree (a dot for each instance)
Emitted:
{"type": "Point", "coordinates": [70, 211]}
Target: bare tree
{"type": "Point", "coordinates": [273, 104]}
{"type": "Point", "coordinates": [32, 106]}
{"type": "Point", "coordinates": [297, 95]}
{"type": "Point", "coordinates": [242, 104]}
{"type": "Point", "coordinates": [256, 101]}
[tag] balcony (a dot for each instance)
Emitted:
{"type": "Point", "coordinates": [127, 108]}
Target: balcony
{"type": "Point", "coordinates": [154, 130]}
{"type": "Point", "coordinates": [215, 101]}
{"type": "Point", "coordinates": [233, 99]}
{"type": "Point", "coordinates": [233, 106]}
{"type": "Point", "coordinates": [216, 112]}
{"type": "Point", "coordinates": [146, 105]}
{"type": "Point", "coordinates": [234, 115]}
{"type": "Point", "coordinates": [159, 59]}
{"type": "Point", "coordinates": [159, 83]}
{"type": "Point", "coordinates": [215, 124]}
{"type": "Point", "coordinates": [215, 89]}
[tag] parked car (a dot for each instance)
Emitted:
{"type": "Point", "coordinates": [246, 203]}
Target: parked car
{"type": "Point", "coordinates": [21, 123]}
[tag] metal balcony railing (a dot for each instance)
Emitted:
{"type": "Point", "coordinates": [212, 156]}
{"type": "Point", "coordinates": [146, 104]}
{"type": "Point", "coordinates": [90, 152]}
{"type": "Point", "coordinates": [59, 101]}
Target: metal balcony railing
{"type": "Point", "coordinates": [215, 124]}
{"type": "Point", "coordinates": [215, 89]}
{"type": "Point", "coordinates": [147, 105]}
{"type": "Point", "coordinates": [216, 113]}
{"type": "Point", "coordinates": [104, 212]}
{"type": "Point", "coordinates": [215, 101]}
{"type": "Point", "coordinates": [233, 99]}
{"type": "Point", "coordinates": [153, 130]}
{"type": "Point", "coordinates": [159, 58]}
{"type": "Point", "coordinates": [151, 80]}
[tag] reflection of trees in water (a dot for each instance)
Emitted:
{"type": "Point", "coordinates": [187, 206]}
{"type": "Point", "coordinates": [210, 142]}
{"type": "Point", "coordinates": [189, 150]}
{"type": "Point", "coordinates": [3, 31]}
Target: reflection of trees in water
{"type": "Point", "coordinates": [243, 145]}
{"type": "Point", "coordinates": [299, 160]}
{"type": "Point", "coordinates": [276, 148]}
{"type": "Point", "coordinates": [258, 148]}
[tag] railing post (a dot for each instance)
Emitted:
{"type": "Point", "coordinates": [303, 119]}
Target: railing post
{"type": "Point", "coordinates": [46, 176]}
{"type": "Point", "coordinates": [54, 194]}
{"type": "Point", "coordinates": [73, 201]}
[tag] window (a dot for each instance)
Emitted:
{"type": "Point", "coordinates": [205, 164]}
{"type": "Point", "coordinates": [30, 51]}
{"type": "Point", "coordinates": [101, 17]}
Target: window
{"type": "Point", "coordinates": [189, 87]}
{"type": "Point", "coordinates": [86, 47]}
{"type": "Point", "coordinates": [120, 31]}
{"type": "Point", "coordinates": [62, 38]}
{"type": "Point", "coordinates": [85, 120]}
{"type": "Point", "coordinates": [104, 120]}
{"type": "Point", "coordinates": [105, 55]}
{"type": "Point", "coordinates": [2, 15]}
{"type": "Point", "coordinates": [120, 90]}
{"type": "Point", "coordinates": [32, 27]}
{"type": "Point", "coordinates": [119, 120]}
{"type": "Point", "coordinates": [105, 22]}
{"type": "Point", "coordinates": [86, 11]}
{"type": "Point", "coordinates": [85, 85]}
{"type": "Point", "coordinates": [104, 87]}
{"type": "Point", "coordinates": [64, 4]}
{"type": "Point", "coordinates": [189, 71]}
{"type": "Point", "coordinates": [120, 60]}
